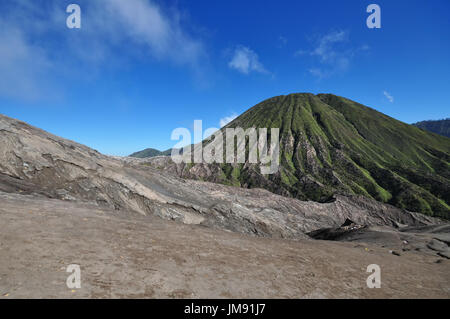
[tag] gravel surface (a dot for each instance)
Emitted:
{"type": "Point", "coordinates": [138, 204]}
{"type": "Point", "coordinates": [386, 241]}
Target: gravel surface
{"type": "Point", "coordinates": [127, 255]}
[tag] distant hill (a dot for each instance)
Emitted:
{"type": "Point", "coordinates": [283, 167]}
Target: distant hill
{"type": "Point", "coordinates": [441, 127]}
{"type": "Point", "coordinates": [151, 152]}
{"type": "Point", "coordinates": [331, 145]}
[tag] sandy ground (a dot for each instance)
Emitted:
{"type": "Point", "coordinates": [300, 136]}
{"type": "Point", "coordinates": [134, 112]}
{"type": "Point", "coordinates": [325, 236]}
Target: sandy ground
{"type": "Point", "coordinates": [124, 255]}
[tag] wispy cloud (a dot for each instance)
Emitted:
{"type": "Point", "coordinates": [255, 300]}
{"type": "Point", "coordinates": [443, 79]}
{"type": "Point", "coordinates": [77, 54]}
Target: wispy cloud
{"type": "Point", "coordinates": [332, 53]}
{"type": "Point", "coordinates": [388, 96]}
{"type": "Point", "coordinates": [245, 61]}
{"type": "Point", "coordinates": [325, 49]}
{"type": "Point", "coordinates": [144, 22]}
{"type": "Point", "coordinates": [37, 50]}
{"type": "Point", "coordinates": [22, 66]}
{"type": "Point", "coordinates": [282, 41]}
{"type": "Point", "coordinates": [227, 119]}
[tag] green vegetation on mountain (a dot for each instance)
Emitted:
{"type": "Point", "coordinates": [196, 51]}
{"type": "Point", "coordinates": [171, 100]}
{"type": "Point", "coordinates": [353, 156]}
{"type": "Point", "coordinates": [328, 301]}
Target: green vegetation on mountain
{"type": "Point", "coordinates": [150, 152]}
{"type": "Point", "coordinates": [331, 145]}
{"type": "Point", "coordinates": [441, 127]}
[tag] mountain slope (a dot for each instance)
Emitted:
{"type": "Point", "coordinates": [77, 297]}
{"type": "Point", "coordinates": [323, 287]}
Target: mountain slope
{"type": "Point", "coordinates": [441, 127]}
{"type": "Point", "coordinates": [331, 145]}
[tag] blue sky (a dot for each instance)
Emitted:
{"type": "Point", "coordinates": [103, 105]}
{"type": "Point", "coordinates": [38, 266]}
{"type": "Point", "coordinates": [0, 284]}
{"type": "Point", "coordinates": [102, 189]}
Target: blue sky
{"type": "Point", "coordinates": [137, 69]}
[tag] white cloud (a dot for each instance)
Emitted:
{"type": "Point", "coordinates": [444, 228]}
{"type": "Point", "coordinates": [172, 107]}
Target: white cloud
{"type": "Point", "coordinates": [282, 41]}
{"type": "Point", "coordinates": [325, 50]}
{"type": "Point", "coordinates": [317, 72]}
{"type": "Point", "coordinates": [22, 66]}
{"type": "Point", "coordinates": [388, 96]}
{"type": "Point", "coordinates": [227, 119]}
{"type": "Point", "coordinates": [301, 52]}
{"type": "Point", "coordinates": [245, 61]}
{"type": "Point", "coordinates": [332, 53]}
{"type": "Point", "coordinates": [144, 22]}
{"type": "Point", "coordinates": [38, 53]}
{"type": "Point", "coordinates": [364, 47]}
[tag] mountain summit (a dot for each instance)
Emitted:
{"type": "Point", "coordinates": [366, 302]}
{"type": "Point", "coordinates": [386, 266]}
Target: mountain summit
{"type": "Point", "coordinates": [331, 145]}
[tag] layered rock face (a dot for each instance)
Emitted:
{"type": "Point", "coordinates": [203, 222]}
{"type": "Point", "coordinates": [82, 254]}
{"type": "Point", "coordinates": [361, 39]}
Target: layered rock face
{"type": "Point", "coordinates": [35, 162]}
